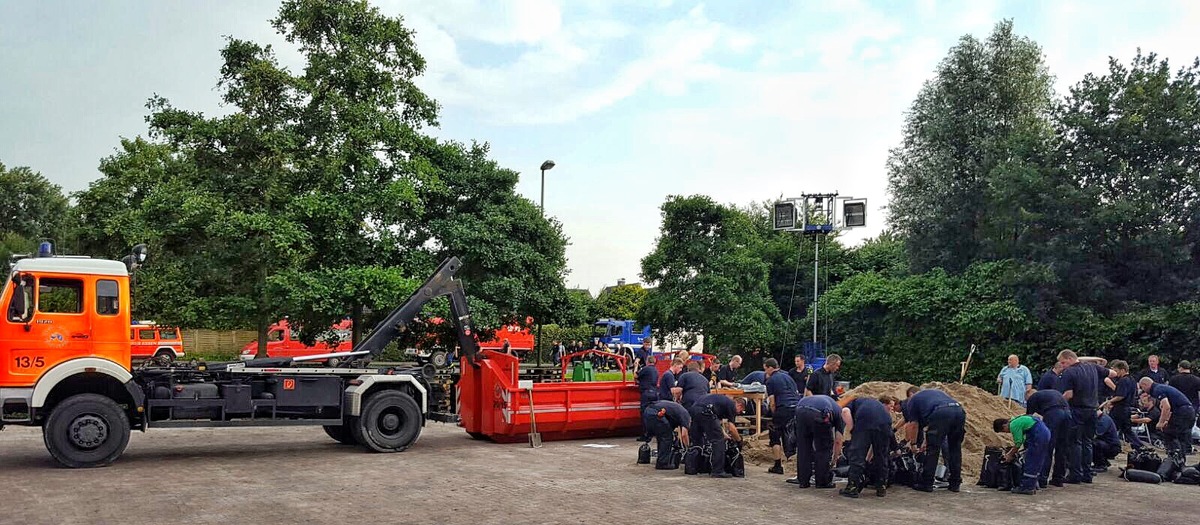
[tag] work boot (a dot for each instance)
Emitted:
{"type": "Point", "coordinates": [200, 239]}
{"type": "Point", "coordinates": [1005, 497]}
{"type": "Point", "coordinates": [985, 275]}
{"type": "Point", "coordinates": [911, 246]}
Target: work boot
{"type": "Point", "coordinates": [1056, 482]}
{"type": "Point", "coordinates": [1024, 491]}
{"type": "Point", "coordinates": [880, 490]}
{"type": "Point", "coordinates": [922, 487]}
{"type": "Point", "coordinates": [723, 475]}
{"type": "Point", "coordinates": [851, 489]}
{"type": "Point", "coordinates": [795, 480]}
{"type": "Point", "coordinates": [776, 469]}
{"type": "Point", "coordinates": [954, 487]}
{"type": "Point", "coordinates": [826, 486]}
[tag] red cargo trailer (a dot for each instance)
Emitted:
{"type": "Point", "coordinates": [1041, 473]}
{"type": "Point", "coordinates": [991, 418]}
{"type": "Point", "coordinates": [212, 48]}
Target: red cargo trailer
{"type": "Point", "coordinates": [492, 404]}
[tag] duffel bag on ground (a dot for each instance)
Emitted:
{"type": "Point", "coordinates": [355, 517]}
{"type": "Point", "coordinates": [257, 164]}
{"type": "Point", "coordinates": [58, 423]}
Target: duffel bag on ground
{"type": "Point", "coordinates": [644, 454]}
{"type": "Point", "coordinates": [735, 463]}
{"type": "Point", "coordinates": [1144, 460]}
{"type": "Point", "coordinates": [1141, 476]}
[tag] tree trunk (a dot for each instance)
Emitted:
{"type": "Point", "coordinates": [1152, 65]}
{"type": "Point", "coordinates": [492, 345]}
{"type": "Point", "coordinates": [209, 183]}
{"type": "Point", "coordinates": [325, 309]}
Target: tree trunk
{"type": "Point", "coordinates": [263, 324]}
{"type": "Point", "coordinates": [356, 313]}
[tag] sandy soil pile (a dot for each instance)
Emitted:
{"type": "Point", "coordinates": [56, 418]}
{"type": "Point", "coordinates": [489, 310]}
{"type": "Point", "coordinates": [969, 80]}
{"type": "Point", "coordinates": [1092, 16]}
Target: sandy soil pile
{"type": "Point", "coordinates": [982, 407]}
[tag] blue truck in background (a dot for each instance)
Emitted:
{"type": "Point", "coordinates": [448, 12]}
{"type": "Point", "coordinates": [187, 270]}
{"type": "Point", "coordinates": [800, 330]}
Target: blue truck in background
{"type": "Point", "coordinates": [619, 333]}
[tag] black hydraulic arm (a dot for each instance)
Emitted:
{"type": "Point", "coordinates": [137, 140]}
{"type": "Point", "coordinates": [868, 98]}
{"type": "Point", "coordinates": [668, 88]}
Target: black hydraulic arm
{"type": "Point", "coordinates": [441, 283]}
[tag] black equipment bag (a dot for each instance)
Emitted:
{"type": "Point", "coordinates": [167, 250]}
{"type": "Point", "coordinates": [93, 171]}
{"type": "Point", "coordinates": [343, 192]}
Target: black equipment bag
{"type": "Point", "coordinates": [1141, 476]}
{"type": "Point", "coordinates": [1144, 460]}
{"type": "Point", "coordinates": [1170, 467]}
{"type": "Point", "coordinates": [989, 475]}
{"type": "Point", "coordinates": [1188, 476]}
{"type": "Point", "coordinates": [677, 451]}
{"type": "Point", "coordinates": [735, 463]}
{"type": "Point", "coordinates": [691, 461]}
{"type": "Point", "coordinates": [644, 454]}
{"type": "Point", "coordinates": [704, 464]}
{"type": "Point", "coordinates": [1010, 474]}
{"type": "Point", "coordinates": [906, 468]}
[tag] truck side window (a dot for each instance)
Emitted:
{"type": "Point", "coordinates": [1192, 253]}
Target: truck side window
{"type": "Point", "coordinates": [168, 333]}
{"type": "Point", "coordinates": [108, 297]}
{"type": "Point", "coordinates": [60, 296]}
{"type": "Point", "coordinates": [146, 335]}
{"type": "Point", "coordinates": [275, 335]}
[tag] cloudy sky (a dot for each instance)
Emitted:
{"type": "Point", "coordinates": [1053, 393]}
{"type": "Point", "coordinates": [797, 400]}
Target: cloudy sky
{"type": "Point", "coordinates": [634, 99]}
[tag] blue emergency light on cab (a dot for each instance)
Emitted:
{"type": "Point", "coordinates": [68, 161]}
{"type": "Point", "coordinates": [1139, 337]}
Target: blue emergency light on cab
{"type": "Point", "coordinates": [45, 249]}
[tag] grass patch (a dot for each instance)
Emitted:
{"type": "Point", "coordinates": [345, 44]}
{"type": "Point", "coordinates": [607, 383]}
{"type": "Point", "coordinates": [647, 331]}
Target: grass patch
{"type": "Point", "coordinates": [610, 376]}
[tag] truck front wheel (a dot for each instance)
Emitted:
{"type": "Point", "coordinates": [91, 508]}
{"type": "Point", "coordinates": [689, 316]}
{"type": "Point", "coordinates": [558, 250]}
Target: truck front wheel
{"type": "Point", "coordinates": [86, 430]}
{"type": "Point", "coordinates": [390, 422]}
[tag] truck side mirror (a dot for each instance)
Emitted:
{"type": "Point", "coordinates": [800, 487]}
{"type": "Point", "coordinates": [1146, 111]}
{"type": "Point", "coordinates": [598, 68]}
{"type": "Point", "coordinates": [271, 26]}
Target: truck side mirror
{"type": "Point", "coordinates": [20, 308]}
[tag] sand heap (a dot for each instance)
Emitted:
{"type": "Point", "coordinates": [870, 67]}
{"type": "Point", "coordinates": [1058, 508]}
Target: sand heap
{"type": "Point", "coordinates": [982, 407]}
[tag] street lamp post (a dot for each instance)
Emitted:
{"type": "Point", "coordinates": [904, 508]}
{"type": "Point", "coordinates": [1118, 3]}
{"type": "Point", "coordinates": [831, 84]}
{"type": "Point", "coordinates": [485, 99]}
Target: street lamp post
{"type": "Point", "coordinates": [545, 166]}
{"type": "Point", "coordinates": [548, 164]}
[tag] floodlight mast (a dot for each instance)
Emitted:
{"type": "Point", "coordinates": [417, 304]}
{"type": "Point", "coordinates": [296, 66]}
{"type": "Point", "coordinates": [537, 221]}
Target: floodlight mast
{"type": "Point", "coordinates": [818, 218]}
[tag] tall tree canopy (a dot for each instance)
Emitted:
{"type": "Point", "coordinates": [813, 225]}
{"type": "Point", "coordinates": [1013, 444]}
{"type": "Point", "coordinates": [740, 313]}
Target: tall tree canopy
{"type": "Point", "coordinates": [709, 275]}
{"type": "Point", "coordinates": [1131, 139]}
{"type": "Point", "coordinates": [320, 196]}
{"type": "Point", "coordinates": [977, 128]}
{"type": "Point", "coordinates": [32, 208]}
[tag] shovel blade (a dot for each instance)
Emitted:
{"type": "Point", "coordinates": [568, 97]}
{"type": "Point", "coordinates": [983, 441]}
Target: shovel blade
{"type": "Point", "coordinates": [535, 440]}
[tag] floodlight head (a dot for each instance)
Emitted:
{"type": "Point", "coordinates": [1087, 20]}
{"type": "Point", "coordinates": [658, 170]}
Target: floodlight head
{"type": "Point", "coordinates": [784, 217]}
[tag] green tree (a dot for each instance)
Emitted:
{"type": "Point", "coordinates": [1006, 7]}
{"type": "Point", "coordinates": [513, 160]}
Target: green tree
{"type": "Point", "coordinates": [980, 124]}
{"type": "Point", "coordinates": [709, 275]}
{"type": "Point", "coordinates": [1129, 140]}
{"type": "Point", "coordinates": [33, 208]}
{"type": "Point", "coordinates": [320, 197]}
{"type": "Point", "coordinates": [623, 301]}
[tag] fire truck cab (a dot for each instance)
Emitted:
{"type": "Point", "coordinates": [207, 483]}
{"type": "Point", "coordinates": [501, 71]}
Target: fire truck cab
{"type": "Point", "coordinates": [66, 328]}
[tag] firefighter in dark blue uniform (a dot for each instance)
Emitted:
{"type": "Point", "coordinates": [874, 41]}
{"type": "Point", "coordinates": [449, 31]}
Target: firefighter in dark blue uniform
{"type": "Point", "coordinates": [1056, 414]}
{"type": "Point", "coordinates": [692, 384]}
{"type": "Point", "coordinates": [712, 417]}
{"type": "Point", "coordinates": [660, 419]}
{"type": "Point", "coordinates": [1123, 402]}
{"type": "Point", "coordinates": [944, 422]}
{"type": "Point", "coordinates": [871, 425]}
{"type": "Point", "coordinates": [819, 429]}
{"type": "Point", "coordinates": [1080, 385]}
{"type": "Point", "coordinates": [1177, 419]}
{"type": "Point", "coordinates": [667, 389]}
{"type": "Point", "coordinates": [647, 381]}
{"type": "Point", "coordinates": [782, 395]}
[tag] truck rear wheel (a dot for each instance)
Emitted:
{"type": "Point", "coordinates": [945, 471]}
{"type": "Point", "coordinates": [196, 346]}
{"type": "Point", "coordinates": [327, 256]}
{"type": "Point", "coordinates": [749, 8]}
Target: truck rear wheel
{"type": "Point", "coordinates": [86, 430]}
{"type": "Point", "coordinates": [390, 422]}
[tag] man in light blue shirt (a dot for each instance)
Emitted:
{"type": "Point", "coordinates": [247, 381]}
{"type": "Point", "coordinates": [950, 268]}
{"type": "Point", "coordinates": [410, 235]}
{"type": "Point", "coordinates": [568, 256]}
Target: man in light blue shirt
{"type": "Point", "coordinates": [1015, 380]}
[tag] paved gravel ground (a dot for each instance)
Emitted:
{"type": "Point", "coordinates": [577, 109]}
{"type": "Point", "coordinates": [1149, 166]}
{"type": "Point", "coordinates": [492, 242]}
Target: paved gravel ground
{"type": "Point", "coordinates": [298, 475]}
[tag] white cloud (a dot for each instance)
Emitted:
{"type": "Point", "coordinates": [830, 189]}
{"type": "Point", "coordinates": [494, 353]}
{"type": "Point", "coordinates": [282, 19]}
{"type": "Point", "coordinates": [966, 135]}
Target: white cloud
{"type": "Point", "coordinates": [807, 101]}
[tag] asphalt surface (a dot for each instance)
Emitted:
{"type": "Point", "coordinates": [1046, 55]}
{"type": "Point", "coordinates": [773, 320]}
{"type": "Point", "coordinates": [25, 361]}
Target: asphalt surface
{"type": "Point", "coordinates": [298, 475]}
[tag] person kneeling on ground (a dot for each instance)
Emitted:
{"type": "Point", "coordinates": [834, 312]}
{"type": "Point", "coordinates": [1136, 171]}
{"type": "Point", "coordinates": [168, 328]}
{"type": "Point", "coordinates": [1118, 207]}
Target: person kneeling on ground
{"type": "Point", "coordinates": [871, 425]}
{"type": "Point", "coordinates": [943, 421]}
{"type": "Point", "coordinates": [1107, 444]}
{"type": "Point", "coordinates": [661, 418]}
{"type": "Point", "coordinates": [820, 427]}
{"type": "Point", "coordinates": [712, 418]}
{"type": "Point", "coordinates": [1034, 436]}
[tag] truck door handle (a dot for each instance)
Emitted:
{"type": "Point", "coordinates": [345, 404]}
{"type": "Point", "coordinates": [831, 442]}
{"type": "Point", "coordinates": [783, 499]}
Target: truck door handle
{"type": "Point", "coordinates": [79, 335]}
